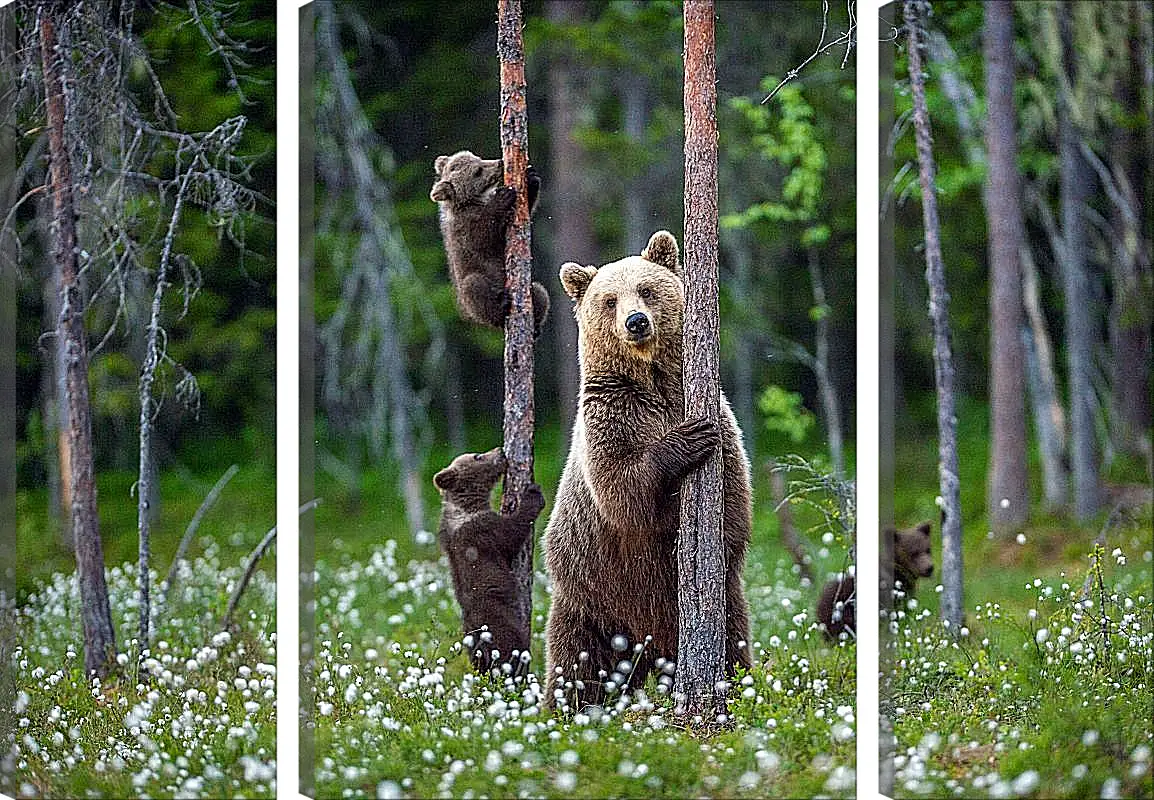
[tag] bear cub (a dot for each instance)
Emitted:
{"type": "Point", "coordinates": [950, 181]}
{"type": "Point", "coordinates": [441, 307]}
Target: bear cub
{"type": "Point", "coordinates": [906, 557]}
{"type": "Point", "coordinates": [481, 545]}
{"type": "Point", "coordinates": [476, 209]}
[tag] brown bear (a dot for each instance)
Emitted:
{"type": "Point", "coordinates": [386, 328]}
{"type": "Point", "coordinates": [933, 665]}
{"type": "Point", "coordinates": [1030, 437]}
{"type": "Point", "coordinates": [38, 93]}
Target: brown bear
{"type": "Point", "coordinates": [906, 557]}
{"type": "Point", "coordinates": [475, 213]}
{"type": "Point", "coordinates": [481, 545]}
{"type": "Point", "coordinates": [610, 544]}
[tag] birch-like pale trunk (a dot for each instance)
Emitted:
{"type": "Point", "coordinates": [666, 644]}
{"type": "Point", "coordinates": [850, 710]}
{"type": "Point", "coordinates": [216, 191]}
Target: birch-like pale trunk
{"type": "Point", "coordinates": [95, 611]}
{"type": "Point", "coordinates": [699, 684]}
{"type": "Point", "coordinates": [519, 409]}
{"type": "Point", "coordinates": [949, 484]}
{"type": "Point", "coordinates": [829, 404]}
{"type": "Point", "coordinates": [152, 356]}
{"type": "Point", "coordinates": [1076, 187]}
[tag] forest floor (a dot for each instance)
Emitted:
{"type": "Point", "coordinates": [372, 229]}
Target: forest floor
{"type": "Point", "coordinates": [1047, 693]}
{"type": "Point", "coordinates": [400, 715]}
{"type": "Point", "coordinates": [196, 717]}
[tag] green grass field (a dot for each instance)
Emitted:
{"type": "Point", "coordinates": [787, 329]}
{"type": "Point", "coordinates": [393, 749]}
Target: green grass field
{"type": "Point", "coordinates": [1048, 693]}
{"type": "Point", "coordinates": [196, 716]}
{"type": "Point", "coordinates": [399, 714]}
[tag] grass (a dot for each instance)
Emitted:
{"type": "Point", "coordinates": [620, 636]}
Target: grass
{"type": "Point", "coordinates": [399, 714]}
{"type": "Point", "coordinates": [195, 717]}
{"type": "Point", "coordinates": [1048, 693]}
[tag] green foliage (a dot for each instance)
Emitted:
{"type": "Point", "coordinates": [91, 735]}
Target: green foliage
{"type": "Point", "coordinates": [786, 133]}
{"type": "Point", "coordinates": [785, 413]}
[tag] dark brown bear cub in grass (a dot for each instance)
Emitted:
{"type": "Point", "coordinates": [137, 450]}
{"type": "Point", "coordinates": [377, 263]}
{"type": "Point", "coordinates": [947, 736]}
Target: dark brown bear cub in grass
{"type": "Point", "coordinates": [481, 545]}
{"type": "Point", "coordinates": [476, 209]}
{"type": "Point", "coordinates": [611, 539]}
{"type": "Point", "coordinates": [910, 559]}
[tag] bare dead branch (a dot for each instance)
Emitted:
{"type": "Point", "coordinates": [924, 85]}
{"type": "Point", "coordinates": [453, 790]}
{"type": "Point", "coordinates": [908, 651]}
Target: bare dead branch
{"type": "Point", "coordinates": [190, 531]}
{"type": "Point", "coordinates": [250, 565]}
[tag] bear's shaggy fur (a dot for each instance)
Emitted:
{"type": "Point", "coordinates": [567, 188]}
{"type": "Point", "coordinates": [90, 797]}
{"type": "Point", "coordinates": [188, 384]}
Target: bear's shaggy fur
{"type": "Point", "coordinates": [610, 542]}
{"type": "Point", "coordinates": [481, 545]}
{"type": "Point", "coordinates": [906, 557]}
{"type": "Point", "coordinates": [476, 209]}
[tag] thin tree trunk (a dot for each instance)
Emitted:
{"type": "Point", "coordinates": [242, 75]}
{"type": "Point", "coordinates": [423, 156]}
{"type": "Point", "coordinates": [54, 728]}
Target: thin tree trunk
{"type": "Point", "coordinates": [96, 615]}
{"type": "Point", "coordinates": [1076, 188]}
{"type": "Point", "coordinates": [9, 183]}
{"type": "Point", "coordinates": [145, 490]}
{"type": "Point", "coordinates": [519, 410]}
{"type": "Point", "coordinates": [381, 251]}
{"type": "Point", "coordinates": [635, 113]}
{"type": "Point", "coordinates": [1049, 416]}
{"type": "Point", "coordinates": [949, 486]}
{"type": "Point", "coordinates": [829, 404]}
{"type": "Point", "coordinates": [1130, 314]}
{"type": "Point", "coordinates": [1007, 497]}
{"type": "Point", "coordinates": [699, 686]}
{"type": "Point", "coordinates": [568, 197]}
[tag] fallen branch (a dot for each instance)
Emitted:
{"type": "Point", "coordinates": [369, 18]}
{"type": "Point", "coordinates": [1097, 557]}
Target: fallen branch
{"type": "Point", "coordinates": [250, 567]}
{"type": "Point", "coordinates": [193, 524]}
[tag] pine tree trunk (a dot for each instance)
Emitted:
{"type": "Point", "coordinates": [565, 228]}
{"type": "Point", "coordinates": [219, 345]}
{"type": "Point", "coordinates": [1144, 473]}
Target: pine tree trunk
{"type": "Point", "coordinates": [96, 615]}
{"type": "Point", "coordinates": [568, 198]}
{"type": "Point", "coordinates": [1075, 191]}
{"type": "Point", "coordinates": [1007, 496]}
{"type": "Point", "coordinates": [8, 187]}
{"type": "Point", "coordinates": [952, 601]}
{"type": "Point", "coordinates": [699, 686]}
{"type": "Point", "coordinates": [1130, 313]}
{"type": "Point", "coordinates": [519, 411]}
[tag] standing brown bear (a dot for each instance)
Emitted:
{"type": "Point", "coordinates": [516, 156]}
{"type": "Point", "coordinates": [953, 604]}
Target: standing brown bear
{"type": "Point", "coordinates": [905, 557]}
{"type": "Point", "coordinates": [481, 545]}
{"type": "Point", "coordinates": [611, 539]}
{"type": "Point", "coordinates": [476, 209]}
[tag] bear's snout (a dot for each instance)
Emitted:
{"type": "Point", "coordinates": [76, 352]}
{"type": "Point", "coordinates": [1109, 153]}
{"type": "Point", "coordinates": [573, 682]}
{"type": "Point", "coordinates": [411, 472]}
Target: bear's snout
{"type": "Point", "coordinates": [638, 325]}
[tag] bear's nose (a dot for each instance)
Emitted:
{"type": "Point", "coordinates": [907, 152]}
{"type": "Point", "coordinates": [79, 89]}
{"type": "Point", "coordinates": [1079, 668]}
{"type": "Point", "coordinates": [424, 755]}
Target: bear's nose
{"type": "Point", "coordinates": [637, 323]}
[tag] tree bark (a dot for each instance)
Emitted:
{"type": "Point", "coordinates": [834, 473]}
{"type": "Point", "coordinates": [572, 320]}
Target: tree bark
{"type": "Point", "coordinates": [1046, 406]}
{"type": "Point", "coordinates": [96, 615]}
{"type": "Point", "coordinates": [1076, 188]}
{"type": "Point", "coordinates": [1049, 416]}
{"type": "Point", "coordinates": [829, 404]}
{"type": "Point", "coordinates": [568, 197]}
{"type": "Point", "coordinates": [145, 490]}
{"type": "Point", "coordinates": [952, 600]}
{"type": "Point", "coordinates": [519, 409]}
{"type": "Point", "coordinates": [1007, 497]}
{"type": "Point", "coordinates": [381, 253]}
{"type": "Point", "coordinates": [1130, 313]}
{"type": "Point", "coordinates": [699, 687]}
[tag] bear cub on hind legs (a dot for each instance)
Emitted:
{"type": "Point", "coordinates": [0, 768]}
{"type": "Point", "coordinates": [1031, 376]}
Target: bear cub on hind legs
{"type": "Point", "coordinates": [476, 209]}
{"type": "Point", "coordinates": [481, 545]}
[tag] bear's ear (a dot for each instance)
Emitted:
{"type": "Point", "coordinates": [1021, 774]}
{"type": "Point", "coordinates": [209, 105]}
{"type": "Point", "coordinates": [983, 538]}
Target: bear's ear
{"type": "Point", "coordinates": [925, 528]}
{"type": "Point", "coordinates": [576, 279]}
{"type": "Point", "coordinates": [662, 249]}
{"type": "Point", "coordinates": [439, 164]}
{"type": "Point", "coordinates": [446, 479]}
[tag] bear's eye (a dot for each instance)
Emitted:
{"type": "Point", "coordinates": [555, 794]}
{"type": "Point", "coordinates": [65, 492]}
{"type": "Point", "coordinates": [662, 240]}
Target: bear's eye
{"type": "Point", "coordinates": [646, 294]}
{"type": "Point", "coordinates": [611, 302]}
